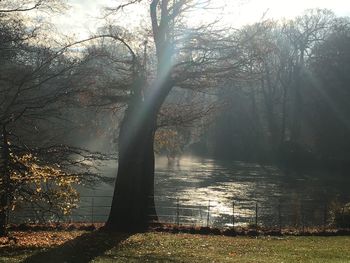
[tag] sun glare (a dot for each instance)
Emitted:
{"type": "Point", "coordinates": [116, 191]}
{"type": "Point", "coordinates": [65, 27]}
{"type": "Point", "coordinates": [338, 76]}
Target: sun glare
{"type": "Point", "coordinates": [85, 16]}
{"type": "Point", "coordinates": [254, 10]}
{"type": "Point", "coordinates": [242, 12]}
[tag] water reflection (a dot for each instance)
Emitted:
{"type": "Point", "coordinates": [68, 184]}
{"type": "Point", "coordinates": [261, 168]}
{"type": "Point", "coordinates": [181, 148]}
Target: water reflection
{"type": "Point", "coordinates": [214, 188]}
{"type": "Point", "coordinates": [205, 191]}
{"type": "Point", "coordinates": [238, 187]}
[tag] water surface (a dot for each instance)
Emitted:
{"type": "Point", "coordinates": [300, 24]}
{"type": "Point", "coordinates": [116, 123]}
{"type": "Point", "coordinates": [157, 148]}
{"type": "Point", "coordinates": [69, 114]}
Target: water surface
{"type": "Point", "coordinates": [205, 191]}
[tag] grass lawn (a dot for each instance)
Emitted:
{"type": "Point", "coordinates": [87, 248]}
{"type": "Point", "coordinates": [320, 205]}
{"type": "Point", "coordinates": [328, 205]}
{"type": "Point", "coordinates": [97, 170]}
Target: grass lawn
{"type": "Point", "coordinates": [164, 247]}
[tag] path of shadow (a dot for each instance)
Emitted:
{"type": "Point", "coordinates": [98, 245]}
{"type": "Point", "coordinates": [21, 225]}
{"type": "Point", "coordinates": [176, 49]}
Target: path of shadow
{"type": "Point", "coordinates": [82, 249]}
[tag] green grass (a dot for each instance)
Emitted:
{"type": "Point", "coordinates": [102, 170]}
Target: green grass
{"type": "Point", "coordinates": [164, 247]}
{"type": "Point", "coordinates": [194, 248]}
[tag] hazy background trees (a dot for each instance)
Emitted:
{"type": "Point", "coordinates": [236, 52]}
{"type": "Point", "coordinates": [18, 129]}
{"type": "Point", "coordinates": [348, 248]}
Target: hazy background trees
{"type": "Point", "coordinates": [290, 105]}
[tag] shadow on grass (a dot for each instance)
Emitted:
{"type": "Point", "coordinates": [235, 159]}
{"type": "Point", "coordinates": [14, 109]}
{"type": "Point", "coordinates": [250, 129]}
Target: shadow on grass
{"type": "Point", "coordinates": [141, 259]}
{"type": "Point", "coordinates": [81, 249]}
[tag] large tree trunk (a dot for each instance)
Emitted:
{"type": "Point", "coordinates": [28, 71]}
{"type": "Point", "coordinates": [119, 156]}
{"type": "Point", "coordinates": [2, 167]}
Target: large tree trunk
{"type": "Point", "coordinates": [133, 204]}
{"type": "Point", "coordinates": [133, 195]}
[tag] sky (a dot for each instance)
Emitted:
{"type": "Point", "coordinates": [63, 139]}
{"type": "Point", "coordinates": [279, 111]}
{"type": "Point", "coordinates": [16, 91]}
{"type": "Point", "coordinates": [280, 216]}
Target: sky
{"type": "Point", "coordinates": [84, 16]}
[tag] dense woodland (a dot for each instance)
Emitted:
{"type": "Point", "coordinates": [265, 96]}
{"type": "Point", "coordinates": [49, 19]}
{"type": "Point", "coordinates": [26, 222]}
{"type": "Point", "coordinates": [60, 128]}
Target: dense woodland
{"type": "Point", "coordinates": [273, 91]}
{"type": "Point", "coordinates": [291, 103]}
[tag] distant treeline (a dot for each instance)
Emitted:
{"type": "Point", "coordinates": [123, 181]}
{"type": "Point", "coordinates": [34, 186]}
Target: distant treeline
{"type": "Point", "coordinates": [291, 102]}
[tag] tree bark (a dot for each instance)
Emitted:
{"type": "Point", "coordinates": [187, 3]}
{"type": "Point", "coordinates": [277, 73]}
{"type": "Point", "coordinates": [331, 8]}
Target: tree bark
{"type": "Point", "coordinates": [133, 204]}
{"type": "Point", "coordinates": [134, 190]}
{"type": "Point", "coordinates": [5, 183]}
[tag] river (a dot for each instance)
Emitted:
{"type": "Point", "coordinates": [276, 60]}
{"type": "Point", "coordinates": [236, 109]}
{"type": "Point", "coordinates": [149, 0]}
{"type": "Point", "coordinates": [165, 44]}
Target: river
{"type": "Point", "coordinates": [199, 191]}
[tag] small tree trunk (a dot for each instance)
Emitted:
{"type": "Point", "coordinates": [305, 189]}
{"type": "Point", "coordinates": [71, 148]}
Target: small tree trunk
{"type": "Point", "coordinates": [3, 215]}
{"type": "Point", "coordinates": [298, 99]}
{"type": "Point", "coordinates": [270, 114]}
{"type": "Point", "coordinates": [5, 182]}
{"type": "Point", "coordinates": [284, 116]}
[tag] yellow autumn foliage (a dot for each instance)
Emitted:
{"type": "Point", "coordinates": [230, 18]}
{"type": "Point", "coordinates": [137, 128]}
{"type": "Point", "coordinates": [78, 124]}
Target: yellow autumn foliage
{"type": "Point", "coordinates": [47, 186]}
{"type": "Point", "coordinates": [169, 142]}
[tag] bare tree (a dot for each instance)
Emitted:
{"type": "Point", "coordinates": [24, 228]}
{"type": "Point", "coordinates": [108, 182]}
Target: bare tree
{"type": "Point", "coordinates": [184, 58]}
{"type": "Point", "coordinates": [37, 82]}
{"type": "Point", "coordinates": [304, 33]}
{"type": "Point", "coordinates": [19, 6]}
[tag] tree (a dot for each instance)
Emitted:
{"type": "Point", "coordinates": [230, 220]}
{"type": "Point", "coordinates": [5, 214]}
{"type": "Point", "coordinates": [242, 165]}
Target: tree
{"type": "Point", "coordinates": [133, 196]}
{"type": "Point", "coordinates": [277, 96]}
{"type": "Point", "coordinates": [190, 59]}
{"type": "Point", "coordinates": [267, 58]}
{"type": "Point", "coordinates": [16, 6]}
{"type": "Point", "coordinates": [304, 33]}
{"type": "Point", "coordinates": [328, 92]}
{"type": "Point", "coordinates": [37, 86]}
{"type": "Point", "coordinates": [256, 111]}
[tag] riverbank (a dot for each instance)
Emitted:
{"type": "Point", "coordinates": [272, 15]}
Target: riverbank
{"type": "Point", "coordinates": [98, 246]}
{"type": "Point", "coordinates": [249, 230]}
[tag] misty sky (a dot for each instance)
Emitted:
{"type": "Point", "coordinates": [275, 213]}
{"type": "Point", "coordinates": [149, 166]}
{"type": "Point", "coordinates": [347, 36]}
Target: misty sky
{"type": "Point", "coordinates": [85, 16]}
